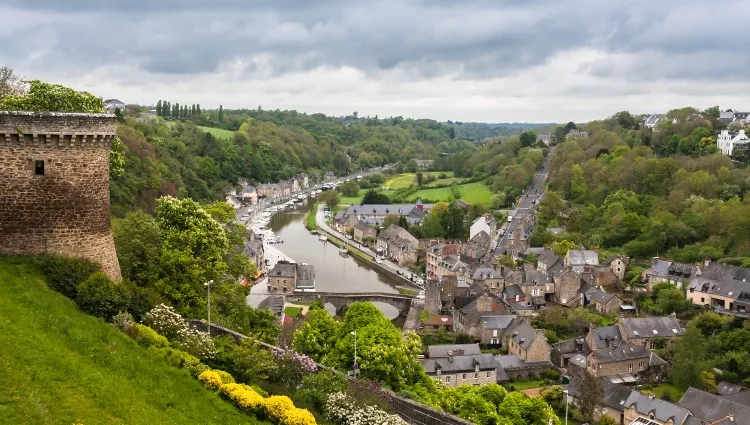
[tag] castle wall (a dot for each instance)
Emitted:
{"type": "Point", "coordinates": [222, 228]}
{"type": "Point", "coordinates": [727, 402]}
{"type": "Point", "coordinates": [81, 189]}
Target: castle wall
{"type": "Point", "coordinates": [65, 210]}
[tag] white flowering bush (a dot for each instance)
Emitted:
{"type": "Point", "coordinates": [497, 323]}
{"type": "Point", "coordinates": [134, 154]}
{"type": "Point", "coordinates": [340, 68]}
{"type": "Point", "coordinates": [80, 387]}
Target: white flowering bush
{"type": "Point", "coordinates": [164, 320]}
{"type": "Point", "coordinates": [343, 410]}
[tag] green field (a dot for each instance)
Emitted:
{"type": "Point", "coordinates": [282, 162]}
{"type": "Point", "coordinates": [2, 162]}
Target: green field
{"type": "Point", "coordinates": [525, 385]}
{"type": "Point", "coordinates": [476, 192]}
{"type": "Point", "coordinates": [60, 366]}
{"type": "Point", "coordinates": [674, 393]}
{"type": "Point", "coordinates": [353, 200]}
{"type": "Point", "coordinates": [219, 133]}
{"type": "Point", "coordinates": [406, 179]}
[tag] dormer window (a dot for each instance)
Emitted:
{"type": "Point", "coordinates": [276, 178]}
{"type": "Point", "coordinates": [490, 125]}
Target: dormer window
{"type": "Point", "coordinates": [476, 368]}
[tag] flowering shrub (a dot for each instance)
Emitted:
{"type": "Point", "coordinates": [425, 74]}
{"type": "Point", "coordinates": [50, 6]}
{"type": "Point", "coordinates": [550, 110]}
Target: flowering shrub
{"type": "Point", "coordinates": [298, 417]}
{"type": "Point", "coordinates": [342, 410]}
{"type": "Point", "coordinates": [164, 320]}
{"type": "Point", "coordinates": [245, 398]}
{"type": "Point", "coordinates": [277, 407]}
{"type": "Point", "coordinates": [123, 321]}
{"type": "Point", "coordinates": [292, 367]}
{"type": "Point", "coordinates": [211, 380]}
{"type": "Point", "coordinates": [225, 377]}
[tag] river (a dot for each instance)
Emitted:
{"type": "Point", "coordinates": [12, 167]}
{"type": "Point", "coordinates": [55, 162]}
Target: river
{"type": "Point", "coordinates": [333, 273]}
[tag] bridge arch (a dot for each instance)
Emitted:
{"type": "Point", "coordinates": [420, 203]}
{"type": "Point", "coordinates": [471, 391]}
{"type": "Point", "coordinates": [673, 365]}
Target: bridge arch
{"type": "Point", "coordinates": [341, 301]}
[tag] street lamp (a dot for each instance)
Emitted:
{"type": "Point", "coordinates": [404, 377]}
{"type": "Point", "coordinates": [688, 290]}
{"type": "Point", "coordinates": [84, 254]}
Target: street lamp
{"type": "Point", "coordinates": [355, 353]}
{"type": "Point", "coordinates": [566, 406]}
{"type": "Point", "coordinates": [208, 285]}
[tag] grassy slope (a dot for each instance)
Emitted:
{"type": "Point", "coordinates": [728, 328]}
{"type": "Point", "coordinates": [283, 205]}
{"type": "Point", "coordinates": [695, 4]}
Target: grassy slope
{"type": "Point", "coordinates": [406, 179]}
{"type": "Point", "coordinates": [219, 133]}
{"type": "Point", "coordinates": [471, 193]}
{"type": "Point", "coordinates": [60, 366]}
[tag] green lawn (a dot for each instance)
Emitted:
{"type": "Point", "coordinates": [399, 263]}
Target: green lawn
{"type": "Point", "coordinates": [219, 133]}
{"type": "Point", "coordinates": [674, 393]}
{"type": "Point", "coordinates": [406, 179]}
{"type": "Point", "coordinates": [525, 385]}
{"type": "Point", "coordinates": [292, 311]}
{"type": "Point", "coordinates": [310, 218]}
{"type": "Point", "coordinates": [60, 366]}
{"type": "Point", "coordinates": [353, 200]}
{"type": "Point", "coordinates": [476, 192]}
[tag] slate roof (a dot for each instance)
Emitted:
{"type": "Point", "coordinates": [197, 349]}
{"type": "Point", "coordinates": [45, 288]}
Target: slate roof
{"type": "Point", "coordinates": [742, 397]}
{"type": "Point", "coordinates": [651, 327]}
{"type": "Point", "coordinates": [481, 238]}
{"type": "Point", "coordinates": [725, 388]}
{"type": "Point", "coordinates": [305, 276]}
{"type": "Point", "coordinates": [724, 287]}
{"type": "Point", "coordinates": [716, 271]}
{"type": "Point", "coordinates": [713, 408]}
{"type": "Point", "coordinates": [496, 321]}
{"type": "Point", "coordinates": [621, 353]}
{"type": "Point", "coordinates": [439, 351]}
{"type": "Point", "coordinates": [669, 269]}
{"type": "Point", "coordinates": [283, 268]}
{"type": "Point", "coordinates": [465, 363]}
{"type": "Point", "coordinates": [537, 277]}
{"type": "Point", "coordinates": [363, 226]}
{"type": "Point", "coordinates": [662, 410]}
{"type": "Point", "coordinates": [511, 291]}
{"type": "Point", "coordinates": [482, 273]}
{"type": "Point", "coordinates": [583, 257]}
{"type": "Point", "coordinates": [549, 258]}
{"type": "Point", "coordinates": [523, 334]}
{"type": "Point", "coordinates": [606, 336]}
{"type": "Point", "coordinates": [509, 361]}
{"type": "Point", "coordinates": [408, 210]}
{"type": "Point", "coordinates": [613, 395]}
{"type": "Point", "coordinates": [601, 297]}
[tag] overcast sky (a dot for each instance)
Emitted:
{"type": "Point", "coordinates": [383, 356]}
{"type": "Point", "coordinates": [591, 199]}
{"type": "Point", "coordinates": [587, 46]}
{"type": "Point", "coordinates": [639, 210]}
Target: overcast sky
{"type": "Point", "coordinates": [490, 61]}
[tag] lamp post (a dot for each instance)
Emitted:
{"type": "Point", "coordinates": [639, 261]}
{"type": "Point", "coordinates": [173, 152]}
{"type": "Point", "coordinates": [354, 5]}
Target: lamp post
{"type": "Point", "coordinates": [356, 366]}
{"type": "Point", "coordinates": [566, 406]}
{"type": "Point", "coordinates": [208, 285]}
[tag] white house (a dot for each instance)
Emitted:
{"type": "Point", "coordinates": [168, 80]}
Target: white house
{"type": "Point", "coordinates": [111, 104]}
{"type": "Point", "coordinates": [486, 223]}
{"type": "Point", "coordinates": [727, 140]}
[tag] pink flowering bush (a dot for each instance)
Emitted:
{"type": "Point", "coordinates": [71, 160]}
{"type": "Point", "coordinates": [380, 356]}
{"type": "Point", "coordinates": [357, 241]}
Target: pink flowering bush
{"type": "Point", "coordinates": [292, 367]}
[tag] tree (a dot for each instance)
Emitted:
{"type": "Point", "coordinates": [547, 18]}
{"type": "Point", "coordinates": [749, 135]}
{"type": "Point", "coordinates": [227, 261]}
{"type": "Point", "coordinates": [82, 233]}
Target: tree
{"type": "Point", "coordinates": [341, 163]}
{"type": "Point", "coordinates": [198, 110]}
{"type": "Point", "coordinates": [317, 336]}
{"type": "Point", "coordinates": [138, 242]}
{"type": "Point", "coordinates": [452, 222]}
{"type": "Point", "coordinates": [528, 138]}
{"type": "Point", "coordinates": [562, 247]}
{"type": "Point", "coordinates": [452, 133]}
{"type": "Point", "coordinates": [10, 83]}
{"type": "Point", "coordinates": [402, 222]}
{"type": "Point", "coordinates": [158, 108]}
{"type": "Point", "coordinates": [590, 392]}
{"type": "Point", "coordinates": [390, 219]}
{"type": "Point", "coordinates": [350, 188]}
{"type": "Point", "coordinates": [550, 206]}
{"type": "Point", "coordinates": [330, 198]}
{"type": "Point", "coordinates": [419, 178]}
{"type": "Point", "coordinates": [689, 359]}
{"type": "Point", "coordinates": [570, 126]}
{"type": "Point", "coordinates": [609, 420]}
{"type": "Point", "coordinates": [709, 323]}
{"type": "Point", "coordinates": [220, 116]}
{"type": "Point", "coordinates": [45, 97]}
{"type": "Point", "coordinates": [100, 297]}
{"type": "Point", "coordinates": [372, 197]}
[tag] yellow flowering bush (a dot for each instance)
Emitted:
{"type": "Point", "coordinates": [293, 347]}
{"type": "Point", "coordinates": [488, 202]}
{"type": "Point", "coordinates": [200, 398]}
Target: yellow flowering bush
{"type": "Point", "coordinates": [245, 398]}
{"type": "Point", "coordinates": [298, 417]}
{"type": "Point", "coordinates": [211, 380]}
{"type": "Point", "coordinates": [226, 378]}
{"type": "Point", "coordinates": [277, 407]}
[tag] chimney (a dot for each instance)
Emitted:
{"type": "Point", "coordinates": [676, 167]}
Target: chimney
{"type": "Point", "coordinates": [516, 298]}
{"type": "Point", "coordinates": [596, 250]}
{"type": "Point", "coordinates": [707, 261]}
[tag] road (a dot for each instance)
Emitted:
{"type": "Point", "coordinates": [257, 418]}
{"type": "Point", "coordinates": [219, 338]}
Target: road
{"type": "Point", "coordinates": [387, 264]}
{"type": "Point", "coordinates": [528, 200]}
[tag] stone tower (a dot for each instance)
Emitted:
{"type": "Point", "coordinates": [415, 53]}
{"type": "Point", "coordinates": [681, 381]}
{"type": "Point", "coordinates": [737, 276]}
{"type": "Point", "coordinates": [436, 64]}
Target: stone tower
{"type": "Point", "coordinates": [54, 186]}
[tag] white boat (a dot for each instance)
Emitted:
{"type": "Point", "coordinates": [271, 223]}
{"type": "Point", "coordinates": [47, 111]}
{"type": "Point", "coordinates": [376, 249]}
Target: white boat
{"type": "Point", "coordinates": [322, 238]}
{"type": "Point", "coordinates": [343, 252]}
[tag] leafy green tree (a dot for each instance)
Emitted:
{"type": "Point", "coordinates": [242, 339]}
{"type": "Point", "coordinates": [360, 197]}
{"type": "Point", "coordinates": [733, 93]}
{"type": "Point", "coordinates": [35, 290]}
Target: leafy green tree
{"type": "Point", "coordinates": [420, 179]}
{"type": "Point", "coordinates": [330, 198]}
{"type": "Point", "coordinates": [158, 108]}
{"type": "Point", "coordinates": [220, 116]}
{"type": "Point", "coordinates": [452, 222]}
{"type": "Point", "coordinates": [372, 197]}
{"type": "Point", "coordinates": [562, 247]}
{"type": "Point", "coordinates": [402, 222]}
{"type": "Point", "coordinates": [550, 206]}
{"type": "Point", "coordinates": [341, 163]}
{"type": "Point", "coordinates": [10, 83]}
{"type": "Point", "coordinates": [45, 97]}
{"type": "Point", "coordinates": [591, 391]}
{"type": "Point", "coordinates": [689, 359]}
{"type": "Point", "coordinates": [350, 188]}
{"type": "Point", "coordinates": [528, 138]}
{"type": "Point", "coordinates": [318, 334]}
{"type": "Point", "coordinates": [390, 219]}
{"type": "Point", "coordinates": [138, 241]}
{"type": "Point", "coordinates": [709, 323]}
{"type": "Point", "coordinates": [452, 133]}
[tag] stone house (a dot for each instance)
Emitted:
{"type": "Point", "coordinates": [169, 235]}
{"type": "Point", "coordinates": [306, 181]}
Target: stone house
{"type": "Point", "coordinates": [477, 247]}
{"type": "Point", "coordinates": [605, 303]}
{"type": "Point", "coordinates": [363, 231]}
{"type": "Point", "coordinates": [537, 283]}
{"type": "Point", "coordinates": [724, 289]}
{"type": "Point", "coordinates": [519, 239]}
{"type": "Point", "coordinates": [413, 213]}
{"type": "Point", "coordinates": [466, 318]}
{"type": "Point", "coordinates": [567, 287]}
{"type": "Point", "coordinates": [617, 264]}
{"type": "Point", "coordinates": [435, 255]}
{"type": "Point", "coordinates": [452, 265]}
{"type": "Point", "coordinates": [645, 409]}
{"type": "Point", "coordinates": [398, 244]}
{"type": "Point", "coordinates": [437, 322]}
{"type": "Point", "coordinates": [282, 278]}
{"type": "Point", "coordinates": [668, 271]}
{"type": "Point", "coordinates": [485, 223]}
{"type": "Point", "coordinates": [581, 260]}
{"type": "Point", "coordinates": [303, 181]}
{"type": "Point", "coordinates": [268, 191]}
{"type": "Point", "coordinates": [624, 359]}
{"type": "Point", "coordinates": [255, 252]}
{"type": "Point", "coordinates": [527, 343]}
{"type": "Point", "coordinates": [249, 194]}
{"type": "Point", "coordinates": [492, 327]}
{"type": "Point", "coordinates": [491, 280]}
{"type": "Point", "coordinates": [649, 331]}
{"type": "Point", "coordinates": [456, 370]}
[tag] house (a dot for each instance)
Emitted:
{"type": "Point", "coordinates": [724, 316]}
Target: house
{"type": "Point", "coordinates": [492, 327]}
{"type": "Point", "coordinates": [269, 191]}
{"type": "Point", "coordinates": [463, 204]}
{"type": "Point", "coordinates": [668, 271]}
{"type": "Point", "coordinates": [544, 138]}
{"type": "Point", "coordinates": [642, 409]}
{"type": "Point", "coordinates": [727, 141]}
{"type": "Point", "coordinates": [468, 312]}
{"type": "Point", "coordinates": [363, 232]}
{"type": "Point", "coordinates": [653, 119]}
{"type": "Point", "coordinates": [111, 104]}
{"type": "Point", "coordinates": [424, 163]}
{"type": "Point", "coordinates": [576, 134]}
{"type": "Point", "coordinates": [398, 244]}
{"type": "Point", "coordinates": [599, 338]}
{"type": "Point", "coordinates": [723, 288]}
{"type": "Point", "coordinates": [623, 359]}
{"type": "Point", "coordinates": [437, 322]}
{"type": "Point", "coordinates": [581, 260]}
{"type": "Point", "coordinates": [490, 279]}
{"type": "Point", "coordinates": [485, 223]}
{"type": "Point", "coordinates": [529, 344]}
{"type": "Point", "coordinates": [477, 246]}
{"type": "Point", "coordinates": [563, 351]}
{"type": "Point", "coordinates": [617, 264]}
{"type": "Point", "coordinates": [447, 350]}
{"type": "Point", "coordinates": [303, 181]}
{"type": "Point", "coordinates": [255, 252]}
{"type": "Point", "coordinates": [414, 213]}
{"type": "Point", "coordinates": [287, 277]}
{"type": "Point", "coordinates": [649, 331]}
{"type": "Point", "coordinates": [434, 256]}
{"type": "Point", "coordinates": [467, 369]}
{"type": "Point", "coordinates": [249, 194]}
{"type": "Point", "coordinates": [567, 287]}
{"type": "Point", "coordinates": [713, 409]}
{"type": "Point", "coordinates": [519, 239]}
{"type": "Point", "coordinates": [726, 116]}
{"type": "Point", "coordinates": [605, 303]}
{"type": "Point", "coordinates": [454, 265]}
{"type": "Point", "coordinates": [233, 201]}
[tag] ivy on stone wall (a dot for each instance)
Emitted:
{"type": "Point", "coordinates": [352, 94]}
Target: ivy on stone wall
{"type": "Point", "coordinates": [46, 97]}
{"type": "Point", "coordinates": [116, 158]}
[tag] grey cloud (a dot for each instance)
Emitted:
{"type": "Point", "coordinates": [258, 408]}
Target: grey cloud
{"type": "Point", "coordinates": [473, 40]}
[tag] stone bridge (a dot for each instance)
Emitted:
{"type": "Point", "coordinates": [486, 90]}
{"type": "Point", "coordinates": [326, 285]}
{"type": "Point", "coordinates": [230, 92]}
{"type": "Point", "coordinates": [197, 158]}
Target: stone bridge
{"type": "Point", "coordinates": [340, 300]}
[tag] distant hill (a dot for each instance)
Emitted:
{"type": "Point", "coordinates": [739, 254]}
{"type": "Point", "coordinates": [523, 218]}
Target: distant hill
{"type": "Point", "coordinates": [61, 366]}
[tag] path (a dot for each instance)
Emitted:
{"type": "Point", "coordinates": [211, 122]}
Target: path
{"type": "Point", "coordinates": [412, 319]}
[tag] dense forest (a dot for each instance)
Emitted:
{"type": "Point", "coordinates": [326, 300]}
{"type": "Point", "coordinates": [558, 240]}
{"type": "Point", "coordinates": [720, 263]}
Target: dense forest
{"type": "Point", "coordinates": [650, 192]}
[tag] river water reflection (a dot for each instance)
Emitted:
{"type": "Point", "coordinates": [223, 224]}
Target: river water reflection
{"type": "Point", "coordinates": [333, 273]}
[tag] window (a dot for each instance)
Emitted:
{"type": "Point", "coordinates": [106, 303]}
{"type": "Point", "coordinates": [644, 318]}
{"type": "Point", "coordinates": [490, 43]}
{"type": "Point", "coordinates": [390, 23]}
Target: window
{"type": "Point", "coordinates": [274, 289]}
{"type": "Point", "coordinates": [630, 367]}
{"type": "Point", "coordinates": [640, 365]}
{"type": "Point", "coordinates": [535, 292]}
{"type": "Point", "coordinates": [476, 376]}
{"type": "Point", "coordinates": [39, 167]}
{"type": "Point", "coordinates": [447, 379]}
{"type": "Point", "coordinates": [488, 374]}
{"type": "Point", "coordinates": [703, 300]}
{"type": "Point", "coordinates": [476, 368]}
{"type": "Point", "coordinates": [463, 376]}
{"type": "Point", "coordinates": [494, 332]}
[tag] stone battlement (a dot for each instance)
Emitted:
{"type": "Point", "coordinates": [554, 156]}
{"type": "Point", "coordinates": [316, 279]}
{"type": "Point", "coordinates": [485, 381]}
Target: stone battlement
{"type": "Point", "coordinates": [54, 185]}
